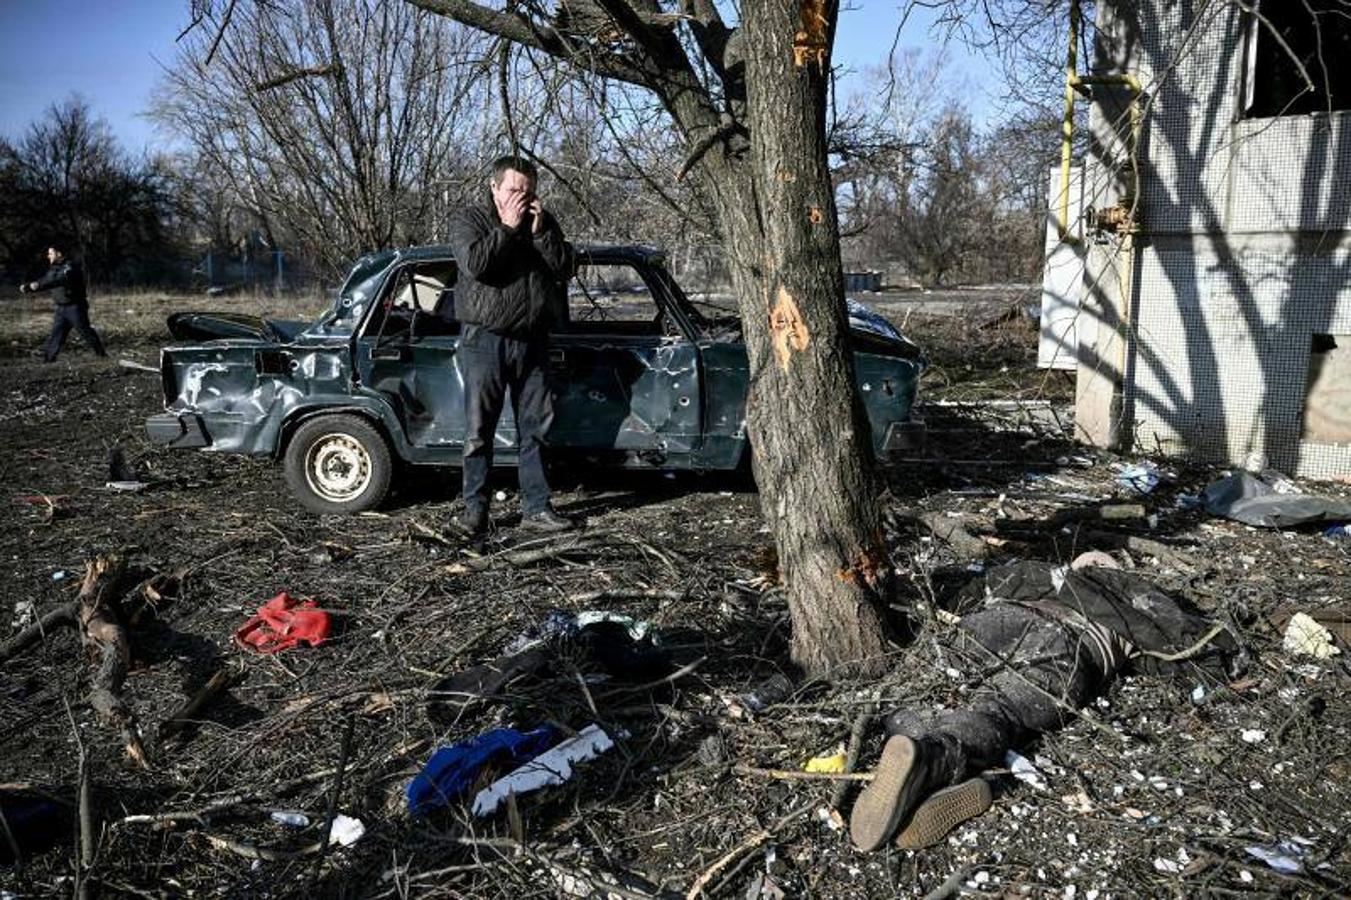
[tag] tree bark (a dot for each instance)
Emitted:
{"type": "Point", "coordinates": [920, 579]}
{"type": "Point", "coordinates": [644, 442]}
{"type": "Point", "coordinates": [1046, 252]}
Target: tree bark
{"type": "Point", "coordinates": [811, 439]}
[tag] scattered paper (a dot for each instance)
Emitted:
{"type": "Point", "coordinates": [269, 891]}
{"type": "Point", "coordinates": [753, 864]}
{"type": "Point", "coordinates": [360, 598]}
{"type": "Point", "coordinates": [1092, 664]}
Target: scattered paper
{"type": "Point", "coordinates": [1305, 637]}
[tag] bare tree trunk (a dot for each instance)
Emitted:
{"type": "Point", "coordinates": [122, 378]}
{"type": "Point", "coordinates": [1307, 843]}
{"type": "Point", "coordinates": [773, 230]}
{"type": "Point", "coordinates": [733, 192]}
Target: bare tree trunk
{"type": "Point", "coordinates": [810, 436]}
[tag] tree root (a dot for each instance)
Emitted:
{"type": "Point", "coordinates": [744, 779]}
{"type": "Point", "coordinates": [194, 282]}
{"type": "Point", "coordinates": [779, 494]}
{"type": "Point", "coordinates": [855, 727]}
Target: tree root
{"type": "Point", "coordinates": [102, 633]}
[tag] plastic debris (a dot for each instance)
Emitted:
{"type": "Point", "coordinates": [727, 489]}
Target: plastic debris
{"type": "Point", "coordinates": [774, 689]}
{"type": "Point", "coordinates": [1253, 735]}
{"type": "Point", "coordinates": [1021, 767]}
{"type": "Point", "coordinates": [290, 819]}
{"type": "Point", "coordinates": [831, 764]}
{"type": "Point", "coordinates": [452, 771]}
{"type": "Point", "coordinates": [346, 830]}
{"type": "Point", "coordinates": [1338, 532]}
{"type": "Point", "coordinates": [1283, 857]}
{"type": "Point", "coordinates": [126, 487]}
{"type": "Point", "coordinates": [282, 623]}
{"type": "Point", "coordinates": [1305, 637]}
{"type": "Point", "coordinates": [1261, 501]}
{"type": "Point", "coordinates": [550, 768]}
{"type": "Point", "coordinates": [1139, 477]}
{"type": "Point", "coordinates": [60, 575]}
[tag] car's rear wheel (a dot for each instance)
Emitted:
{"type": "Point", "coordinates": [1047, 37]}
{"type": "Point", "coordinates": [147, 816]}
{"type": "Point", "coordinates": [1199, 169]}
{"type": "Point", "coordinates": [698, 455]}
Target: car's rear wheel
{"type": "Point", "coordinates": [338, 464]}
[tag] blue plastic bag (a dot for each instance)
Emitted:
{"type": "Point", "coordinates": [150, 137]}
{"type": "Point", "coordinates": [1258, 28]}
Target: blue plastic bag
{"type": "Point", "coordinates": [451, 771]}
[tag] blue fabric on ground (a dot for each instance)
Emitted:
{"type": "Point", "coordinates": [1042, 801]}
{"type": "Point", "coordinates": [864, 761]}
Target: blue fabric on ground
{"type": "Point", "coordinates": [451, 771]}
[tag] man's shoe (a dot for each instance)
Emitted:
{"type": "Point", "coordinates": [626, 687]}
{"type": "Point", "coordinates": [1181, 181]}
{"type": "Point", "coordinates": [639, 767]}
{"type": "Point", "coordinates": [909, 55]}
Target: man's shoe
{"type": "Point", "coordinates": [944, 811]}
{"type": "Point", "coordinates": [470, 524]}
{"type": "Point", "coordinates": [899, 782]}
{"type": "Point", "coordinates": [547, 521]}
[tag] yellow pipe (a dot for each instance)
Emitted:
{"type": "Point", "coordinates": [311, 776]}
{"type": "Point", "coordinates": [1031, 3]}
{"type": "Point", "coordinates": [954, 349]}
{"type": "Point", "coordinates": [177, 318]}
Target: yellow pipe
{"type": "Point", "coordinates": [1074, 82]}
{"type": "Point", "coordinates": [1067, 122]}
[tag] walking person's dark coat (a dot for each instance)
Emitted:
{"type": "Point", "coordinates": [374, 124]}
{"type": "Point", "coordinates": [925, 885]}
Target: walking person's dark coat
{"type": "Point", "coordinates": [65, 278]}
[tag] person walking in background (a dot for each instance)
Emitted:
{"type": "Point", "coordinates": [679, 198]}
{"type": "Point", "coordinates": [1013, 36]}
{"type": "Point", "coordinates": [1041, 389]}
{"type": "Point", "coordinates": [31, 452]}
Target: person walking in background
{"type": "Point", "coordinates": [513, 263]}
{"type": "Point", "coordinates": [66, 277]}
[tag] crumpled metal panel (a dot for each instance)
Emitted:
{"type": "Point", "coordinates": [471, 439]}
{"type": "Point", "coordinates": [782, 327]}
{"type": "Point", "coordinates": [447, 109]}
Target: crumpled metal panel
{"type": "Point", "coordinates": [245, 390]}
{"type": "Point", "coordinates": [638, 394]}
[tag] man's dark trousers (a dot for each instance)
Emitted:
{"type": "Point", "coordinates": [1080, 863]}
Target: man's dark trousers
{"type": "Point", "coordinates": [491, 364]}
{"type": "Point", "coordinates": [66, 317]}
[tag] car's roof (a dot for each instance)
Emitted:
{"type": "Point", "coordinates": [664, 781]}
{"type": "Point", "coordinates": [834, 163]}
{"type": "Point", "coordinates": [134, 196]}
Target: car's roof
{"type": "Point", "coordinates": [633, 252]}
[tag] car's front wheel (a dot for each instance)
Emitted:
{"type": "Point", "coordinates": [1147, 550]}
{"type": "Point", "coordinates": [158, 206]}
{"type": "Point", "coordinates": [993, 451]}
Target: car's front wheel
{"type": "Point", "coordinates": [338, 464]}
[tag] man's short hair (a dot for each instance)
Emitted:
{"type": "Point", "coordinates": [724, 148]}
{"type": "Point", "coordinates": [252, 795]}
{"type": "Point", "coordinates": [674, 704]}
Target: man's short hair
{"type": "Point", "coordinates": [516, 164]}
{"type": "Point", "coordinates": [60, 246]}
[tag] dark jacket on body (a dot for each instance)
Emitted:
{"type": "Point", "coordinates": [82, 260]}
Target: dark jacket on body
{"type": "Point", "coordinates": [67, 279]}
{"type": "Point", "coordinates": [510, 282]}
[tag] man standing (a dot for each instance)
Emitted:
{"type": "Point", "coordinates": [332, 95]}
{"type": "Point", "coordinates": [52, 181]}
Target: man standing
{"type": "Point", "coordinates": [513, 264]}
{"type": "Point", "coordinates": [66, 277]}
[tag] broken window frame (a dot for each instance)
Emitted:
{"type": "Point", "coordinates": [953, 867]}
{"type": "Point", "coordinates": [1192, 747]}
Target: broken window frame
{"type": "Point", "coordinates": [1264, 51]}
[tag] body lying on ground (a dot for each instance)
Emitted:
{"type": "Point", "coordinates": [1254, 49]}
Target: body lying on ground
{"type": "Point", "coordinates": [1052, 638]}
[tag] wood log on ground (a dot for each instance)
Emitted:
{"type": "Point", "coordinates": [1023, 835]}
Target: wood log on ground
{"type": "Point", "coordinates": [61, 617]}
{"type": "Point", "coordinates": [105, 638]}
{"type": "Point", "coordinates": [183, 716]}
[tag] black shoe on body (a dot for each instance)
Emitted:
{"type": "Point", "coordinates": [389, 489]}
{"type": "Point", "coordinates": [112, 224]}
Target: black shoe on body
{"type": "Point", "coordinates": [547, 521]}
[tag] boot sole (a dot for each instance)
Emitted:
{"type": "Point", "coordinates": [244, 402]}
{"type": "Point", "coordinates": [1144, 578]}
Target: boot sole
{"type": "Point", "coordinates": [887, 798]}
{"type": "Point", "coordinates": [944, 811]}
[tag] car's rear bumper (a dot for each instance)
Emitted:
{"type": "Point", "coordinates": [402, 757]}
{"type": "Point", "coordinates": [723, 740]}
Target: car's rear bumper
{"type": "Point", "coordinates": [178, 430]}
{"type": "Point", "coordinates": [904, 439]}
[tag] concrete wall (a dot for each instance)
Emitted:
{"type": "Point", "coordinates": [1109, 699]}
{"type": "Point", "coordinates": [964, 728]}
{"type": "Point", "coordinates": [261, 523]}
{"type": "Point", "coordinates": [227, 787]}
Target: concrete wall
{"type": "Point", "coordinates": [1243, 253]}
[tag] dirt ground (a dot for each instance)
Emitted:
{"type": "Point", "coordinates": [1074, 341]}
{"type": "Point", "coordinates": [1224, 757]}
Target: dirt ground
{"type": "Point", "coordinates": [1165, 787]}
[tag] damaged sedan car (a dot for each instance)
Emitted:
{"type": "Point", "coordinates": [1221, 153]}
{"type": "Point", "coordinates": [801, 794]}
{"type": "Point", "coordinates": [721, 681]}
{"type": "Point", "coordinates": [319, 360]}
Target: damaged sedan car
{"type": "Point", "coordinates": [643, 376]}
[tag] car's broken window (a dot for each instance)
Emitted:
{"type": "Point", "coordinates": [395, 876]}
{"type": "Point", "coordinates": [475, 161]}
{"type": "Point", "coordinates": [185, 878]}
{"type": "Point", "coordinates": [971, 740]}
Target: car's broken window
{"type": "Point", "coordinates": [1299, 58]}
{"type": "Point", "coordinates": [419, 301]}
{"type": "Point", "coordinates": [612, 295]}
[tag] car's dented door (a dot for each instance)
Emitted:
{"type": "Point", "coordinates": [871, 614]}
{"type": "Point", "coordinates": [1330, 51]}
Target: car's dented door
{"type": "Point", "coordinates": [636, 394]}
{"type": "Point", "coordinates": [421, 381]}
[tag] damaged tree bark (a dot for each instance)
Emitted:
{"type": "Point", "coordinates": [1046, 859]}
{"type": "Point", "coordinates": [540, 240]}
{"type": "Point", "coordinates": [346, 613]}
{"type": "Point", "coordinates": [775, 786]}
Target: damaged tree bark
{"type": "Point", "coordinates": [105, 639]}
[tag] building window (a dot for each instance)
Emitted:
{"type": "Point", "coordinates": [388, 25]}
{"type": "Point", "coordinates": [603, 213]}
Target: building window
{"type": "Point", "coordinates": [1289, 39]}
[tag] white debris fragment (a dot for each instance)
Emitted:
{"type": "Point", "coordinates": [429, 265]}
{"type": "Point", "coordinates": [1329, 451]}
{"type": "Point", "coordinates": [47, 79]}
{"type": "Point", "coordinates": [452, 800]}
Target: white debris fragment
{"type": "Point", "coordinates": [552, 767]}
{"type": "Point", "coordinates": [1283, 857]}
{"type": "Point", "coordinates": [1253, 735]}
{"type": "Point", "coordinates": [981, 877]}
{"type": "Point", "coordinates": [1305, 637]}
{"type": "Point", "coordinates": [1245, 876]}
{"type": "Point", "coordinates": [346, 830]}
{"type": "Point", "coordinates": [1021, 767]}
{"type": "Point", "coordinates": [1198, 694]}
{"type": "Point", "coordinates": [1167, 866]}
{"type": "Point", "coordinates": [292, 819]}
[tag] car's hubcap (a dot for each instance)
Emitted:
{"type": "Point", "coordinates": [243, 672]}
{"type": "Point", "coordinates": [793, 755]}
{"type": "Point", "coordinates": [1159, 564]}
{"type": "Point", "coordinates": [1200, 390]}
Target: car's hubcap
{"type": "Point", "coordinates": [337, 467]}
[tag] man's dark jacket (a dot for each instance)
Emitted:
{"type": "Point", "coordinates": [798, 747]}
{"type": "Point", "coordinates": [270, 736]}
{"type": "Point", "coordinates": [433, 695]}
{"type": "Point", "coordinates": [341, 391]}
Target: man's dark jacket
{"type": "Point", "coordinates": [511, 281]}
{"type": "Point", "coordinates": [66, 278]}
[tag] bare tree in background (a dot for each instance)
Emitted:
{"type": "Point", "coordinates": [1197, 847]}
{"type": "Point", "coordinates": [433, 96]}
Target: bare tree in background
{"type": "Point", "coordinates": [68, 179]}
{"type": "Point", "coordinates": [343, 125]}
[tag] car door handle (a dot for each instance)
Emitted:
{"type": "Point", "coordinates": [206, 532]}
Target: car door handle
{"type": "Point", "coordinates": [394, 354]}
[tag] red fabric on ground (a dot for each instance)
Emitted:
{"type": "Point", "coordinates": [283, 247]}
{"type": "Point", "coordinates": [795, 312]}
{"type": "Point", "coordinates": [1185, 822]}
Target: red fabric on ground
{"type": "Point", "coordinates": [283, 622]}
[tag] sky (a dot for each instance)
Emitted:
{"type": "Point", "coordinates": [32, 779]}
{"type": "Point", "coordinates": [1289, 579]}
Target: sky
{"type": "Point", "coordinates": [111, 52]}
